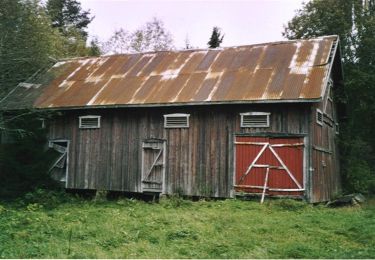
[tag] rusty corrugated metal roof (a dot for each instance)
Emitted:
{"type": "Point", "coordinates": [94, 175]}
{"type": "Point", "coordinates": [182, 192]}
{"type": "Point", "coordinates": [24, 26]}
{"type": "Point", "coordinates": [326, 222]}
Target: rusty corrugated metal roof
{"type": "Point", "coordinates": [272, 72]}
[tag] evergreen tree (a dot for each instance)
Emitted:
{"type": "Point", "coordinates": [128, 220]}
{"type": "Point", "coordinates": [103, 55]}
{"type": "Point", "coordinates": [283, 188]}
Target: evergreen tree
{"type": "Point", "coordinates": [216, 38]}
{"type": "Point", "coordinates": [94, 49]}
{"type": "Point", "coordinates": [28, 45]}
{"type": "Point", "coordinates": [67, 15]}
{"type": "Point", "coordinates": [27, 42]}
{"type": "Point", "coordinates": [69, 18]}
{"type": "Point", "coordinates": [354, 22]}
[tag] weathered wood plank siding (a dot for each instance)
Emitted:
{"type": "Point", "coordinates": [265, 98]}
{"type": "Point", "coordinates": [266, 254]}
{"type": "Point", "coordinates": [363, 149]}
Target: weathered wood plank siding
{"type": "Point", "coordinates": [199, 159]}
{"type": "Point", "coordinates": [325, 181]}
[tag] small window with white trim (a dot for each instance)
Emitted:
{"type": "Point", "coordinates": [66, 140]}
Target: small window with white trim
{"type": "Point", "coordinates": [337, 128]}
{"type": "Point", "coordinates": [89, 122]}
{"type": "Point", "coordinates": [319, 117]}
{"type": "Point", "coordinates": [176, 120]}
{"type": "Point", "coordinates": [255, 119]}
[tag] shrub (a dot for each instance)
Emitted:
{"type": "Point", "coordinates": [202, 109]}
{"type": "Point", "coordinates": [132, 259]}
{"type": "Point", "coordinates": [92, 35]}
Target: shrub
{"type": "Point", "coordinates": [24, 163]}
{"type": "Point", "coordinates": [357, 167]}
{"type": "Point", "coordinates": [359, 176]}
{"type": "Point", "coordinates": [46, 198]}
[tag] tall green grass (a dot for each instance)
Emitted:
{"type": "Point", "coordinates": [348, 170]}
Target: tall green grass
{"type": "Point", "coordinates": [61, 226]}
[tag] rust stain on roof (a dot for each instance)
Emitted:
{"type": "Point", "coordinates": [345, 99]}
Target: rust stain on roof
{"type": "Point", "coordinates": [242, 78]}
{"type": "Point", "coordinates": [205, 90]}
{"type": "Point", "coordinates": [208, 59]}
{"type": "Point", "coordinates": [258, 84]}
{"type": "Point", "coordinates": [313, 80]}
{"type": "Point", "coordinates": [290, 70]}
{"type": "Point", "coordinates": [221, 90]}
{"type": "Point", "coordinates": [296, 83]}
{"type": "Point", "coordinates": [145, 89]}
{"type": "Point", "coordinates": [193, 84]}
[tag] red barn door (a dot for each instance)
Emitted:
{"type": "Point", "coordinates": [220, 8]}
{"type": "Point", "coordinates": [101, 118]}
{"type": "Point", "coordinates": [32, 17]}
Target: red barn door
{"type": "Point", "coordinates": [273, 165]}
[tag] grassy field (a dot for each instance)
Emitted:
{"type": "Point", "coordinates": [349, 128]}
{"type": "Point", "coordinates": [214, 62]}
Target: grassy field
{"type": "Point", "coordinates": [48, 226]}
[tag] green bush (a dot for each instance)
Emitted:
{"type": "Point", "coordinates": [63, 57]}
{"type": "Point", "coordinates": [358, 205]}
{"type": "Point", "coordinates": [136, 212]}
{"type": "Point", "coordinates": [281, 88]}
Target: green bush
{"type": "Point", "coordinates": [371, 187]}
{"type": "Point", "coordinates": [357, 166]}
{"type": "Point", "coordinates": [46, 198]}
{"type": "Point", "coordinates": [25, 162]}
{"type": "Point", "coordinates": [359, 176]}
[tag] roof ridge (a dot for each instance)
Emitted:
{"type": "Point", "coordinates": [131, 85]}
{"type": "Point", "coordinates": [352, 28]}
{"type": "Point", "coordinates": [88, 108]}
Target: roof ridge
{"type": "Point", "coordinates": [200, 49]}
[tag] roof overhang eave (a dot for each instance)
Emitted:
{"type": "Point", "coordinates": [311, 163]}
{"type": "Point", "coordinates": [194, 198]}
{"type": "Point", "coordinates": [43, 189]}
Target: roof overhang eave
{"type": "Point", "coordinates": [315, 100]}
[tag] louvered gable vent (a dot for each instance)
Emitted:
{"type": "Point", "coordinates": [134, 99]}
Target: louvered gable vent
{"type": "Point", "coordinates": [88, 122]}
{"type": "Point", "coordinates": [255, 119]}
{"type": "Point", "coordinates": [319, 117]}
{"type": "Point", "coordinates": [176, 121]}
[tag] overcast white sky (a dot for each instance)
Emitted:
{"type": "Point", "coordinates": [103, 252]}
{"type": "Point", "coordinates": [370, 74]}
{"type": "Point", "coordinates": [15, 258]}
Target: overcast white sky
{"type": "Point", "coordinates": [242, 22]}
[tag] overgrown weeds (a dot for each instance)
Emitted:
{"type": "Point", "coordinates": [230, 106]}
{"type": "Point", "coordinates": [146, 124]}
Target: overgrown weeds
{"type": "Point", "coordinates": [174, 201]}
{"type": "Point", "coordinates": [176, 228]}
{"type": "Point", "coordinates": [289, 204]}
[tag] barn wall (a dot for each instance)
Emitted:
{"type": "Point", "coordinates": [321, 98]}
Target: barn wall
{"type": "Point", "coordinates": [325, 175]}
{"type": "Point", "coordinates": [199, 158]}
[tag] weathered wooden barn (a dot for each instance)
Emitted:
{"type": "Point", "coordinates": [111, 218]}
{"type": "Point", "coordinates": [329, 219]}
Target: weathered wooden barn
{"type": "Point", "coordinates": [218, 122]}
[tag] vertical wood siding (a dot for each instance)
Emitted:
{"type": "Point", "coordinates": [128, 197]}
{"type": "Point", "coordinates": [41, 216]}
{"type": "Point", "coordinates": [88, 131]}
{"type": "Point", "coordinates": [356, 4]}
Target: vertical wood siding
{"type": "Point", "coordinates": [199, 159]}
{"type": "Point", "coordinates": [325, 175]}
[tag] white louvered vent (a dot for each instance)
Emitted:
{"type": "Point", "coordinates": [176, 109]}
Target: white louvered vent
{"type": "Point", "coordinates": [176, 121]}
{"type": "Point", "coordinates": [319, 117]}
{"type": "Point", "coordinates": [255, 119]}
{"type": "Point", "coordinates": [88, 122]}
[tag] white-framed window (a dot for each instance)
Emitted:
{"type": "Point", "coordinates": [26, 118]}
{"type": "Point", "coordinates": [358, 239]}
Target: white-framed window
{"type": "Point", "coordinates": [89, 122]}
{"type": "Point", "coordinates": [337, 128]}
{"type": "Point", "coordinates": [176, 120]}
{"type": "Point", "coordinates": [319, 117]}
{"type": "Point", "coordinates": [255, 119]}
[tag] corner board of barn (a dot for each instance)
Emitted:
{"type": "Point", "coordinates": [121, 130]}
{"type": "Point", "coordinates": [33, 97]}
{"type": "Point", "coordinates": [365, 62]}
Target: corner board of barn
{"type": "Point", "coordinates": [257, 119]}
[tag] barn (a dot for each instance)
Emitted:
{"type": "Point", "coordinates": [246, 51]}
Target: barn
{"type": "Point", "coordinates": [256, 119]}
